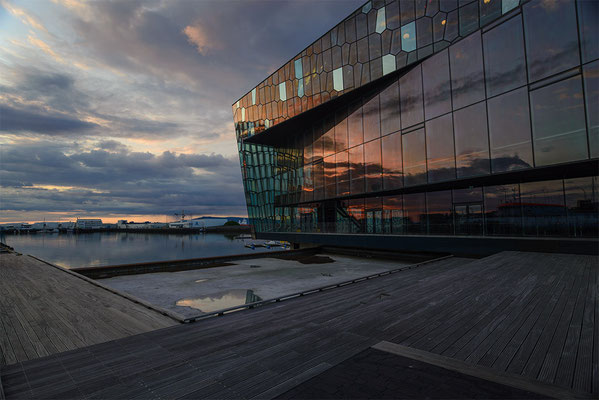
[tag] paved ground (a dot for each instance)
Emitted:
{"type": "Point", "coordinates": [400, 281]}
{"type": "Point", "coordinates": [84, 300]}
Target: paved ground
{"type": "Point", "coordinates": [524, 315]}
{"type": "Point", "coordinates": [222, 287]}
{"type": "Point", "coordinates": [46, 310]}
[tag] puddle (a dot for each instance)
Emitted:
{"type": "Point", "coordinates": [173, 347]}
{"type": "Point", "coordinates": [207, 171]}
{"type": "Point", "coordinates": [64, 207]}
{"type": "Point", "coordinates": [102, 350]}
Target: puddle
{"type": "Point", "coordinates": [220, 300]}
{"type": "Point", "coordinates": [201, 280]}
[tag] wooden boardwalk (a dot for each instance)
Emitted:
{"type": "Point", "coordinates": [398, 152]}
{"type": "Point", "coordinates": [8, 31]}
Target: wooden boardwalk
{"type": "Point", "coordinates": [528, 314]}
{"type": "Point", "coordinates": [45, 310]}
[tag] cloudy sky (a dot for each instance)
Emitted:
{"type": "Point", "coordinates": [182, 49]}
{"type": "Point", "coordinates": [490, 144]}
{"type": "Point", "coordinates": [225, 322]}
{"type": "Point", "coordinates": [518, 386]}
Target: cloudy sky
{"type": "Point", "coordinates": [122, 108]}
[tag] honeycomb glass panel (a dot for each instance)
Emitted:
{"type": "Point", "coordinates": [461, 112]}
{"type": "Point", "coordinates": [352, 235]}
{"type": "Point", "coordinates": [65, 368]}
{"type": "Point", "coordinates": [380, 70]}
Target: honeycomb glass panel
{"type": "Point", "coordinates": [338, 79]}
{"type": "Point", "coordinates": [388, 64]}
{"type": "Point", "coordinates": [489, 10]}
{"type": "Point", "coordinates": [505, 65]}
{"type": "Point", "coordinates": [408, 37]}
{"type": "Point", "coordinates": [508, 5]}
{"type": "Point", "coordinates": [509, 131]}
{"type": "Point", "coordinates": [414, 157]}
{"type": "Point", "coordinates": [558, 124]}
{"type": "Point", "coordinates": [380, 20]}
{"type": "Point", "coordinates": [468, 18]}
{"type": "Point", "coordinates": [282, 91]}
{"type": "Point", "coordinates": [551, 37]}
{"type": "Point", "coordinates": [471, 141]}
{"type": "Point", "coordinates": [467, 77]}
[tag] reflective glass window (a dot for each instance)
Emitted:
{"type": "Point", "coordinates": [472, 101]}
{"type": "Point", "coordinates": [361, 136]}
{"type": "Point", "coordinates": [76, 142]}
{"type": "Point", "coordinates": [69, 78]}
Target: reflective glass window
{"type": "Point", "coordinates": [509, 131]}
{"type": "Point", "coordinates": [380, 20]}
{"type": "Point", "coordinates": [551, 37]}
{"type": "Point", "coordinates": [466, 61]}
{"type": "Point", "coordinates": [393, 221]}
{"type": "Point", "coordinates": [372, 164]}
{"type": "Point", "coordinates": [329, 136]}
{"type": "Point", "coordinates": [373, 215]}
{"type": "Point", "coordinates": [489, 10]}
{"type": "Point", "coordinates": [414, 157]}
{"type": "Point", "coordinates": [308, 184]}
{"type": "Point", "coordinates": [318, 140]}
{"type": "Point", "coordinates": [354, 123]}
{"type": "Point", "coordinates": [338, 79]}
{"type": "Point", "coordinates": [406, 9]}
{"type": "Point", "coordinates": [435, 79]}
{"type": "Point", "coordinates": [471, 141]}
{"type": "Point", "coordinates": [390, 109]}
{"type": "Point", "coordinates": [468, 18]}
{"type": "Point", "coordinates": [356, 169]}
{"type": "Point", "coordinates": [505, 65]}
{"type": "Point", "coordinates": [392, 164]}
{"type": "Point", "coordinates": [543, 209]}
{"type": "Point", "coordinates": [503, 210]}
{"type": "Point", "coordinates": [253, 96]}
{"type": "Point", "coordinates": [408, 37]}
{"type": "Point", "coordinates": [591, 93]}
{"type": "Point", "coordinates": [424, 31]}
{"type": "Point", "coordinates": [298, 69]}
{"type": "Point", "coordinates": [356, 212]}
{"type": "Point", "coordinates": [341, 130]}
{"type": "Point", "coordinates": [508, 5]}
{"type": "Point", "coordinates": [468, 211]}
{"type": "Point", "coordinates": [371, 115]}
{"type": "Point", "coordinates": [330, 178]}
{"type": "Point", "coordinates": [439, 213]}
{"type": "Point", "coordinates": [558, 124]}
{"type": "Point", "coordinates": [588, 23]}
{"type": "Point", "coordinates": [388, 64]}
{"type": "Point", "coordinates": [440, 149]}
{"type": "Point", "coordinates": [410, 89]}
{"type": "Point", "coordinates": [282, 91]}
{"type": "Point", "coordinates": [582, 202]}
{"type": "Point", "coordinates": [414, 210]}
{"type": "Point", "coordinates": [342, 171]}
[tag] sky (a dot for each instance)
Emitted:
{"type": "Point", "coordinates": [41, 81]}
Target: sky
{"type": "Point", "coordinates": [122, 109]}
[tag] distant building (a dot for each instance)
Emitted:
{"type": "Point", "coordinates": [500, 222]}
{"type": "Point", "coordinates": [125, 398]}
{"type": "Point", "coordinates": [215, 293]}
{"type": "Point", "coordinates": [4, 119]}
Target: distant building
{"type": "Point", "coordinates": [124, 224]}
{"type": "Point", "coordinates": [91, 223]}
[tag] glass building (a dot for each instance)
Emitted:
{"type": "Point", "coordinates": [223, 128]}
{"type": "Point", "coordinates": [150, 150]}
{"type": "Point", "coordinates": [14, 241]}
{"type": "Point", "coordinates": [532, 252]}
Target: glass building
{"type": "Point", "coordinates": [428, 123]}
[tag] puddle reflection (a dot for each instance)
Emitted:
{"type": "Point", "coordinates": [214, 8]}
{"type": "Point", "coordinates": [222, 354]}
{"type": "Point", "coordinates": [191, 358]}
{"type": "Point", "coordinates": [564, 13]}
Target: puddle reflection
{"type": "Point", "coordinates": [220, 300]}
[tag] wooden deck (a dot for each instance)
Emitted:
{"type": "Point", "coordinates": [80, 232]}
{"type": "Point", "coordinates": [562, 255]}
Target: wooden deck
{"type": "Point", "coordinates": [45, 310]}
{"type": "Point", "coordinates": [527, 314]}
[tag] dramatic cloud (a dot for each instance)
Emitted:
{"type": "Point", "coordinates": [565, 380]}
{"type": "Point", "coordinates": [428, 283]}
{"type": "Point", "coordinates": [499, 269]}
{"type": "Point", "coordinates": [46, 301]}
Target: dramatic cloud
{"type": "Point", "coordinates": [123, 107]}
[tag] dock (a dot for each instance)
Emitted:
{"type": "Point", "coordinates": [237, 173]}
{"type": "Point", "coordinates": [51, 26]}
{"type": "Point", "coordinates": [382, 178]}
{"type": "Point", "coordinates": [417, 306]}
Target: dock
{"type": "Point", "coordinates": [47, 310]}
{"type": "Point", "coordinates": [522, 320]}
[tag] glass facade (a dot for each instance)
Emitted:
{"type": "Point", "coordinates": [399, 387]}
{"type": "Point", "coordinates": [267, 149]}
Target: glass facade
{"type": "Point", "coordinates": [485, 124]}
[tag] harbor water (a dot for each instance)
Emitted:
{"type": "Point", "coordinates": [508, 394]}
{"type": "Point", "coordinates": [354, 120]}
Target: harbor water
{"type": "Point", "coordinates": [83, 250]}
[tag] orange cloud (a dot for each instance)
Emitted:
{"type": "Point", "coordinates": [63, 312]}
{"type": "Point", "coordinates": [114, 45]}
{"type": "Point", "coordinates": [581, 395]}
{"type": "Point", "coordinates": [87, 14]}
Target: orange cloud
{"type": "Point", "coordinates": [197, 36]}
{"type": "Point", "coordinates": [44, 47]}
{"type": "Point", "coordinates": [23, 16]}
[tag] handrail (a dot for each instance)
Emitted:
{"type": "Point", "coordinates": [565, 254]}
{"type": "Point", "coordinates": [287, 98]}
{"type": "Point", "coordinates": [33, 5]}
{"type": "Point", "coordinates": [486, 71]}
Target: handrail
{"type": "Point", "coordinates": [220, 313]}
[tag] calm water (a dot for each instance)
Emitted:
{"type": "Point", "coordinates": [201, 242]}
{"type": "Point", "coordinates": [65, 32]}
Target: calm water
{"type": "Point", "coordinates": [109, 248]}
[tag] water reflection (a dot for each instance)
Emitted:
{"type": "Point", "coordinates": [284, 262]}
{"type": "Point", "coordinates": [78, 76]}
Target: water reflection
{"type": "Point", "coordinates": [220, 300]}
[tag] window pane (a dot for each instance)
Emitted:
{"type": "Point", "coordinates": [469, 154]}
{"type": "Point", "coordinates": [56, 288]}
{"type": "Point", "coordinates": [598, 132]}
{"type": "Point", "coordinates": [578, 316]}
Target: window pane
{"type": "Point", "coordinates": [468, 211]}
{"type": "Point", "coordinates": [372, 129]}
{"type": "Point", "coordinates": [408, 37]}
{"type": "Point", "coordinates": [356, 212]}
{"type": "Point", "coordinates": [410, 89]}
{"type": "Point", "coordinates": [342, 170]}
{"type": "Point", "coordinates": [551, 37]}
{"type": "Point", "coordinates": [356, 169]}
{"type": "Point", "coordinates": [414, 157]}
{"type": "Point", "coordinates": [503, 211]}
{"type": "Point", "coordinates": [582, 201]}
{"type": "Point", "coordinates": [390, 109]}
{"type": "Point", "coordinates": [591, 92]}
{"type": "Point", "coordinates": [588, 19]}
{"type": "Point", "coordinates": [330, 179]}
{"type": "Point", "coordinates": [341, 130]}
{"type": "Point", "coordinates": [468, 19]}
{"type": "Point", "coordinates": [471, 141]}
{"type": "Point", "coordinates": [318, 140]}
{"type": "Point", "coordinates": [440, 149]}
{"type": "Point", "coordinates": [415, 213]}
{"type": "Point", "coordinates": [543, 210]}
{"type": "Point", "coordinates": [505, 65]}
{"type": "Point", "coordinates": [558, 122]}
{"type": "Point", "coordinates": [466, 60]}
{"type": "Point", "coordinates": [329, 136]}
{"type": "Point", "coordinates": [392, 165]}
{"type": "Point", "coordinates": [509, 131]}
{"type": "Point", "coordinates": [356, 133]}
{"type": "Point", "coordinates": [372, 163]}
{"type": "Point", "coordinates": [439, 213]}
{"type": "Point", "coordinates": [435, 77]}
{"type": "Point", "coordinates": [393, 221]}
{"type": "Point", "coordinates": [489, 10]}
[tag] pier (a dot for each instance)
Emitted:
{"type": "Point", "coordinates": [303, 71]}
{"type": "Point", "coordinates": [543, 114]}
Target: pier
{"type": "Point", "coordinates": [524, 323]}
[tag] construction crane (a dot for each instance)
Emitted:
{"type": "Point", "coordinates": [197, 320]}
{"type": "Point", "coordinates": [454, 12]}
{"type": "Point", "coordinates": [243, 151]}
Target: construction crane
{"type": "Point", "coordinates": [182, 215]}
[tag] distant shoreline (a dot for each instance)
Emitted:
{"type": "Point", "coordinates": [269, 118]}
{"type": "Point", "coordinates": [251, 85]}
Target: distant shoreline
{"type": "Point", "coordinates": [210, 229]}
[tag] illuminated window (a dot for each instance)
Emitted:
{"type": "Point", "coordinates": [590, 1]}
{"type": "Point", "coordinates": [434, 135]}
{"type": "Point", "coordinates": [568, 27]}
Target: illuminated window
{"type": "Point", "coordinates": [282, 91]}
